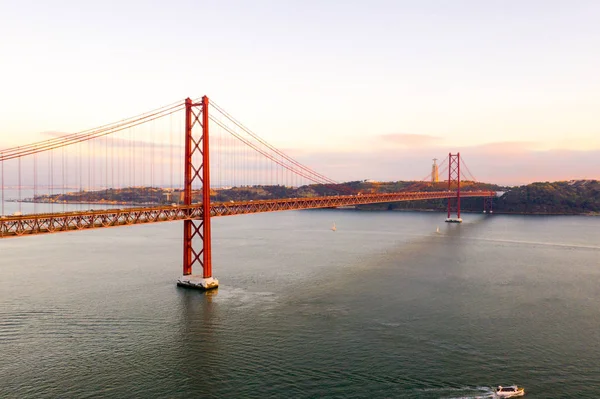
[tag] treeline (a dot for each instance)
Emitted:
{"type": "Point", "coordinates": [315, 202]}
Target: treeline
{"type": "Point", "coordinates": [129, 195]}
{"type": "Point", "coordinates": [565, 197]}
{"type": "Point", "coordinates": [247, 193]}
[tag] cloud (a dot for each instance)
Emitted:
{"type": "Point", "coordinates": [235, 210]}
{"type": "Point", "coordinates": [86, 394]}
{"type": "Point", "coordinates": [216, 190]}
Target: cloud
{"type": "Point", "coordinates": [113, 140]}
{"type": "Point", "coordinates": [53, 133]}
{"type": "Point", "coordinates": [502, 163]}
{"type": "Point", "coordinates": [507, 147]}
{"type": "Point", "coordinates": [404, 156]}
{"type": "Point", "coordinates": [530, 166]}
{"type": "Point", "coordinates": [409, 140]}
{"type": "Point", "coordinates": [408, 157]}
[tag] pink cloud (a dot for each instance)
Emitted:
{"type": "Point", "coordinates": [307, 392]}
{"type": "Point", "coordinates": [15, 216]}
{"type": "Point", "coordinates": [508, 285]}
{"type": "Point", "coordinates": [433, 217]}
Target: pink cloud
{"type": "Point", "coordinates": [490, 163]}
{"type": "Point", "coordinates": [116, 141]}
{"type": "Point", "coordinates": [409, 140]}
{"type": "Point", "coordinates": [53, 133]}
{"type": "Point", "coordinates": [506, 147]}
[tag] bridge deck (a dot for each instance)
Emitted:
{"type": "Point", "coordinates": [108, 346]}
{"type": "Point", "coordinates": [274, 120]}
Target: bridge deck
{"type": "Point", "coordinates": [43, 223]}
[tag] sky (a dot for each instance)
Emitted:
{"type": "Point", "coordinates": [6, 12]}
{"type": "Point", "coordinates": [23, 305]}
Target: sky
{"type": "Point", "coordinates": [354, 89]}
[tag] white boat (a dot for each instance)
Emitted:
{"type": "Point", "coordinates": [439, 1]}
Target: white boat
{"type": "Point", "coordinates": [333, 227]}
{"type": "Point", "coordinates": [509, 392]}
{"type": "Point", "coordinates": [437, 230]}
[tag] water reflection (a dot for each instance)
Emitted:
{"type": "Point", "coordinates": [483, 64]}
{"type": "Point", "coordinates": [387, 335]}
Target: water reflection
{"type": "Point", "coordinates": [199, 349]}
{"type": "Point", "coordinates": [307, 312]}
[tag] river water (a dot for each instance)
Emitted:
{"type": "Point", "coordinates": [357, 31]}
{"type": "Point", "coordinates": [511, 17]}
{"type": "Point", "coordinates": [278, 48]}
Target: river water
{"type": "Point", "coordinates": [384, 307]}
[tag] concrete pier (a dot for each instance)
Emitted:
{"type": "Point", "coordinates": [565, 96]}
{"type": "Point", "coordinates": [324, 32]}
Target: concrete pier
{"type": "Point", "coordinates": [454, 220]}
{"type": "Point", "coordinates": [198, 282]}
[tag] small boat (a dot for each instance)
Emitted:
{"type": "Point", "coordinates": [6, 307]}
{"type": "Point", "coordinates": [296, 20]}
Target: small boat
{"type": "Point", "coordinates": [509, 392]}
{"type": "Point", "coordinates": [438, 230]}
{"type": "Point", "coordinates": [333, 227]}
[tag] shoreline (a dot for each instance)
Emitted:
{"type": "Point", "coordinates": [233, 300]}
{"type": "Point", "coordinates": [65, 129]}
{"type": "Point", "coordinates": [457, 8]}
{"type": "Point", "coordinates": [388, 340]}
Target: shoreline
{"type": "Point", "coordinates": [477, 212]}
{"type": "Point", "coordinates": [82, 203]}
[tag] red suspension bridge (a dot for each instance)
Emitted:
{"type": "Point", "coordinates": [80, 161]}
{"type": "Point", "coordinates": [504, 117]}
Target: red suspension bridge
{"type": "Point", "coordinates": [144, 170]}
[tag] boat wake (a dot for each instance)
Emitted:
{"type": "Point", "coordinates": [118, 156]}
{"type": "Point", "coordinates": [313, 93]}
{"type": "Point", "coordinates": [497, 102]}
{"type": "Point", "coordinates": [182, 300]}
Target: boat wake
{"type": "Point", "coordinates": [541, 243]}
{"type": "Point", "coordinates": [460, 393]}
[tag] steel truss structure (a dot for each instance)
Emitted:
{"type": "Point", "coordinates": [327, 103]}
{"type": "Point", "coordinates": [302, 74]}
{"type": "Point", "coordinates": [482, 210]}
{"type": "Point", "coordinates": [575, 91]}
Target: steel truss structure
{"type": "Point", "coordinates": [35, 224]}
{"type": "Point", "coordinates": [454, 179]}
{"type": "Point", "coordinates": [197, 168]}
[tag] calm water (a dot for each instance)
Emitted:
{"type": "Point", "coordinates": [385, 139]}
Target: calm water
{"type": "Point", "coordinates": [12, 204]}
{"type": "Point", "coordinates": [382, 308]}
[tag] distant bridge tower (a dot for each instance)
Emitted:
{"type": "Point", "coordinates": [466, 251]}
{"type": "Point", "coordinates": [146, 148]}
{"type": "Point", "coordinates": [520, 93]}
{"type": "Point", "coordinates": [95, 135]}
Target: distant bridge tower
{"type": "Point", "coordinates": [454, 182]}
{"type": "Point", "coordinates": [435, 172]}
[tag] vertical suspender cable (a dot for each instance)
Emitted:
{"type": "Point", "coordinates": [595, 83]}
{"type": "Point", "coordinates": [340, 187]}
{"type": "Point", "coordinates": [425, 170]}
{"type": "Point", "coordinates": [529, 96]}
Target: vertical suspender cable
{"type": "Point", "coordinates": [51, 172]}
{"type": "Point", "coordinates": [133, 157]}
{"type": "Point", "coordinates": [151, 154]}
{"type": "Point", "coordinates": [89, 159]}
{"type": "Point", "coordinates": [80, 173]}
{"type": "Point", "coordinates": [19, 184]}
{"type": "Point", "coordinates": [63, 177]}
{"type": "Point", "coordinates": [2, 182]}
{"type": "Point", "coordinates": [105, 167]}
{"type": "Point", "coordinates": [112, 164]}
{"type": "Point", "coordinates": [160, 158]}
{"type": "Point", "coordinates": [93, 163]}
{"type": "Point", "coordinates": [171, 148]}
{"type": "Point", "coordinates": [35, 183]}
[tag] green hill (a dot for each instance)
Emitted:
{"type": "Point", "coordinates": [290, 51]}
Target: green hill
{"type": "Point", "coordinates": [565, 197]}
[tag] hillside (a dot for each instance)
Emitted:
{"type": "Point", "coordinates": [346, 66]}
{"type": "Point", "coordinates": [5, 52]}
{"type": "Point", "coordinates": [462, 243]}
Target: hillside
{"type": "Point", "coordinates": [566, 197]}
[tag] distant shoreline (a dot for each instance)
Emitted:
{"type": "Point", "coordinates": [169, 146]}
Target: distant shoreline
{"type": "Point", "coordinates": [79, 202]}
{"type": "Point", "coordinates": [475, 212]}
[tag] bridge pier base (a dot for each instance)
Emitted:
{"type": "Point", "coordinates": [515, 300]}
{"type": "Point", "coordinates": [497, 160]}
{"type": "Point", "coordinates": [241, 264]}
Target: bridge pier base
{"type": "Point", "coordinates": [454, 220]}
{"type": "Point", "coordinates": [198, 282]}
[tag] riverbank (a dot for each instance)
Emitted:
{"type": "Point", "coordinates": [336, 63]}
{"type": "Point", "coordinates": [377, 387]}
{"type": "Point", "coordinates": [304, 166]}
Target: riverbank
{"type": "Point", "coordinates": [442, 211]}
{"type": "Point", "coordinates": [115, 203]}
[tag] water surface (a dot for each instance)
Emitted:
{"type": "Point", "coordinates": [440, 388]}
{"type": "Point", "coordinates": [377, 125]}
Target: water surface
{"type": "Point", "coordinates": [383, 307]}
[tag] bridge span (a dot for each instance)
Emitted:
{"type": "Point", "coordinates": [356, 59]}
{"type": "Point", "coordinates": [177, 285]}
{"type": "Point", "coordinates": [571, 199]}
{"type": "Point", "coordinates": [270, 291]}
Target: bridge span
{"type": "Point", "coordinates": [43, 223]}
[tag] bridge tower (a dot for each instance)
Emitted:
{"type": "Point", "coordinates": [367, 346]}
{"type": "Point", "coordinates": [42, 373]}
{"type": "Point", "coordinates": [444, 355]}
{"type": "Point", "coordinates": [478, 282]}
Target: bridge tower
{"type": "Point", "coordinates": [454, 179]}
{"type": "Point", "coordinates": [197, 168]}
